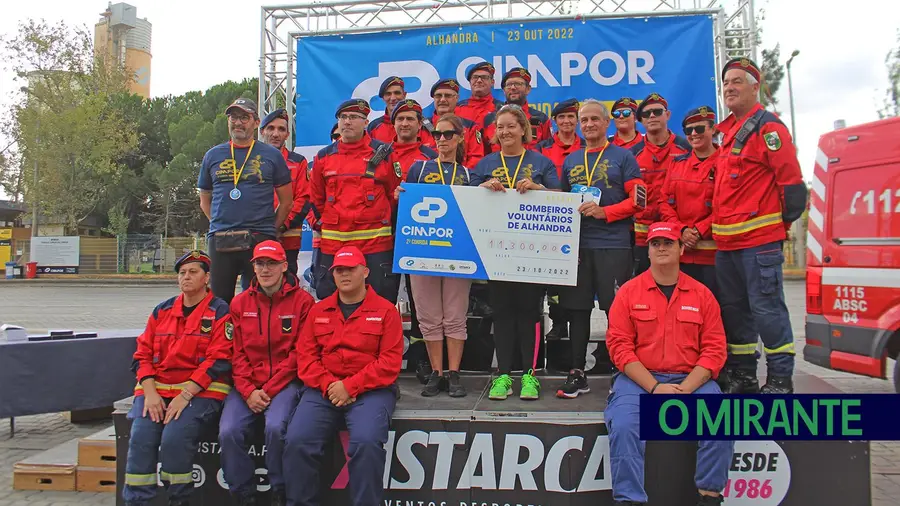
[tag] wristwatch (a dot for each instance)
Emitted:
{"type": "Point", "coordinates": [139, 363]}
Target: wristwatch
{"type": "Point", "coordinates": [283, 228]}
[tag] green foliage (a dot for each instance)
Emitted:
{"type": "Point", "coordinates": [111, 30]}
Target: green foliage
{"type": "Point", "coordinates": [891, 105]}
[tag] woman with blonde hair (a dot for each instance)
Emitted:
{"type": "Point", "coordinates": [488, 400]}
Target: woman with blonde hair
{"type": "Point", "coordinates": [517, 306]}
{"type": "Point", "coordinates": [442, 301]}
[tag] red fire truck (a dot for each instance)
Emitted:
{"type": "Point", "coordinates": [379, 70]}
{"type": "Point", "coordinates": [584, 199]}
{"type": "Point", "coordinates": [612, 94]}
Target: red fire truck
{"type": "Point", "coordinates": [853, 251]}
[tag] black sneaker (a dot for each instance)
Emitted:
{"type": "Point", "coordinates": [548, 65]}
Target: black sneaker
{"type": "Point", "coordinates": [433, 386]}
{"type": "Point", "coordinates": [423, 371]}
{"type": "Point", "coordinates": [575, 385]}
{"type": "Point", "coordinates": [739, 381]}
{"type": "Point", "coordinates": [708, 500]}
{"type": "Point", "coordinates": [778, 385]}
{"type": "Point", "coordinates": [454, 387]}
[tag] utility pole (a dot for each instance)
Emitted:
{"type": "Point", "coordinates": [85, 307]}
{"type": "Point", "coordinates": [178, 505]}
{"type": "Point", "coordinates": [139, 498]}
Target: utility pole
{"type": "Point", "coordinates": [797, 227]}
{"type": "Point", "coordinates": [35, 195]}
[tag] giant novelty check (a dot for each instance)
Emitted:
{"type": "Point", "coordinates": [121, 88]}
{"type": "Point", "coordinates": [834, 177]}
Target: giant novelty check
{"type": "Point", "coordinates": [472, 232]}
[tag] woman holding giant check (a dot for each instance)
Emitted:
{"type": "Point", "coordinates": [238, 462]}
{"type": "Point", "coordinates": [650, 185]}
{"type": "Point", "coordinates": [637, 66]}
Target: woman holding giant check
{"type": "Point", "coordinates": [517, 306]}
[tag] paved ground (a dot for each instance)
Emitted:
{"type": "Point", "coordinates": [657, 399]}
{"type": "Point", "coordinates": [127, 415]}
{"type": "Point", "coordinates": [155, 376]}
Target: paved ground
{"type": "Point", "coordinates": [91, 307]}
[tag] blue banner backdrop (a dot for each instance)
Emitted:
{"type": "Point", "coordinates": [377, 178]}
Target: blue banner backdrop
{"type": "Point", "coordinates": [596, 58]}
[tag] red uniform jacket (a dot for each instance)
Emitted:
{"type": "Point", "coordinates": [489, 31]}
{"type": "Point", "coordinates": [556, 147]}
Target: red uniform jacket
{"type": "Point", "coordinates": [616, 140]}
{"type": "Point", "coordinates": [265, 336]}
{"type": "Point", "coordinates": [365, 351]}
{"type": "Point", "coordinates": [752, 182]}
{"type": "Point", "coordinates": [654, 161]}
{"type": "Point", "coordinates": [381, 129]}
{"type": "Point", "coordinates": [476, 109]}
{"type": "Point", "coordinates": [355, 204]}
{"type": "Point", "coordinates": [472, 138]}
{"type": "Point", "coordinates": [540, 128]}
{"type": "Point", "coordinates": [687, 196]}
{"type": "Point", "coordinates": [174, 350]}
{"type": "Point", "coordinates": [300, 186]}
{"type": "Point", "coordinates": [408, 154]}
{"type": "Point", "coordinates": [553, 149]}
{"type": "Point", "coordinates": [666, 336]}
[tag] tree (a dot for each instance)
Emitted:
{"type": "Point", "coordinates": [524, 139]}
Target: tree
{"type": "Point", "coordinates": [770, 64]}
{"type": "Point", "coordinates": [891, 105]}
{"type": "Point", "coordinates": [66, 120]}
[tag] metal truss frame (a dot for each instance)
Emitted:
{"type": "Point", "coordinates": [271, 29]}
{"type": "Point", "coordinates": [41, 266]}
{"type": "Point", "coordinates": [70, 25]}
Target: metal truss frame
{"type": "Point", "coordinates": [281, 26]}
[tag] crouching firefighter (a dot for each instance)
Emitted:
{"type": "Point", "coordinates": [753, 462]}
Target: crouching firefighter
{"type": "Point", "coordinates": [183, 367]}
{"type": "Point", "coordinates": [267, 321]}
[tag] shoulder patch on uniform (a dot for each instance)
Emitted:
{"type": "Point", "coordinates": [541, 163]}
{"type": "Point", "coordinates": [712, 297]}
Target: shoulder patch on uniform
{"type": "Point", "coordinates": [773, 141]}
{"type": "Point", "coordinates": [229, 331]}
{"type": "Point", "coordinates": [398, 170]}
{"type": "Point", "coordinates": [478, 137]}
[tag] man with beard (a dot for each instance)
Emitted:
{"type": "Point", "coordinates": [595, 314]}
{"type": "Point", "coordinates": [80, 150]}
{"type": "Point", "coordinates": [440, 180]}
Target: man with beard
{"type": "Point", "coordinates": [275, 131]}
{"type": "Point", "coordinates": [238, 182]}
{"type": "Point", "coordinates": [516, 86]}
{"type": "Point", "coordinates": [482, 101]}
{"type": "Point", "coordinates": [392, 91]}
{"type": "Point", "coordinates": [446, 95]}
{"type": "Point", "coordinates": [624, 113]}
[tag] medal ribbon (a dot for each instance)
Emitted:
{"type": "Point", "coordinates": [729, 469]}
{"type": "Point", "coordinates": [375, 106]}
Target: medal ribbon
{"type": "Point", "coordinates": [234, 170]}
{"type": "Point", "coordinates": [441, 171]}
{"type": "Point", "coordinates": [510, 182]}
{"type": "Point", "coordinates": [590, 175]}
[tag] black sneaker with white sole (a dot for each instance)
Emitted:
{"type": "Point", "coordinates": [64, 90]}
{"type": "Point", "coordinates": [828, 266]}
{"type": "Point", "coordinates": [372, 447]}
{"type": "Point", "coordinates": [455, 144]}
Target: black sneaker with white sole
{"type": "Point", "coordinates": [433, 385]}
{"type": "Point", "coordinates": [575, 385]}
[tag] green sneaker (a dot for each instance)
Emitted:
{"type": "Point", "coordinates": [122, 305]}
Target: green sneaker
{"type": "Point", "coordinates": [501, 388]}
{"type": "Point", "coordinates": [531, 387]}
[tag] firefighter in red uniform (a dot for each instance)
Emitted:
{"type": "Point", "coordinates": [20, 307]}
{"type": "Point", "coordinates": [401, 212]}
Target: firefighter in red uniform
{"type": "Point", "coordinates": [687, 196]}
{"type": "Point", "coordinates": [275, 131]}
{"type": "Point", "coordinates": [557, 148]}
{"type": "Point", "coordinates": [759, 193]}
{"type": "Point", "coordinates": [349, 356]}
{"type": "Point", "coordinates": [446, 95]}
{"type": "Point", "coordinates": [407, 145]}
{"type": "Point", "coordinates": [665, 336]}
{"type": "Point", "coordinates": [516, 86]}
{"type": "Point", "coordinates": [654, 154]}
{"type": "Point", "coordinates": [183, 367]}
{"type": "Point", "coordinates": [352, 185]}
{"type": "Point", "coordinates": [482, 102]}
{"type": "Point", "coordinates": [624, 114]}
{"type": "Point", "coordinates": [392, 91]}
{"type": "Point", "coordinates": [267, 320]}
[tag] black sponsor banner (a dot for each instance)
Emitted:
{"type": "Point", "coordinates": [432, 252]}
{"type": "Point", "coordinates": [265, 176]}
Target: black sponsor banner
{"type": "Point", "coordinates": [507, 463]}
{"type": "Point", "coordinates": [57, 270]}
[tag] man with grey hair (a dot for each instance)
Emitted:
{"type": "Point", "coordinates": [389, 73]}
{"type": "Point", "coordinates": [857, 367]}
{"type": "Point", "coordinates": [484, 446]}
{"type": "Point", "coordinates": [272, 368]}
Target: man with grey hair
{"type": "Point", "coordinates": [610, 177]}
{"type": "Point", "coordinates": [759, 193]}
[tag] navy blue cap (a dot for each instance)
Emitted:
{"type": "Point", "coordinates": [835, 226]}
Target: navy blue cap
{"type": "Point", "coordinates": [570, 105]}
{"type": "Point", "coordinates": [244, 104]}
{"type": "Point", "coordinates": [354, 105]}
{"type": "Point", "coordinates": [519, 72]}
{"type": "Point", "coordinates": [278, 113]}
{"type": "Point", "coordinates": [449, 83]}
{"type": "Point", "coordinates": [406, 106]}
{"type": "Point", "coordinates": [487, 67]}
{"type": "Point", "coordinates": [390, 81]}
{"type": "Point", "coordinates": [196, 255]}
{"type": "Point", "coordinates": [702, 113]}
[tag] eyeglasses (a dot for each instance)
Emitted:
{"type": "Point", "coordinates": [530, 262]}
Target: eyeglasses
{"type": "Point", "coordinates": [480, 77]}
{"type": "Point", "coordinates": [446, 134]}
{"type": "Point", "coordinates": [350, 117]}
{"type": "Point", "coordinates": [445, 96]}
{"type": "Point", "coordinates": [621, 113]}
{"type": "Point", "coordinates": [243, 118]}
{"type": "Point", "coordinates": [266, 264]}
{"type": "Point", "coordinates": [699, 129]}
{"type": "Point", "coordinates": [516, 84]}
{"type": "Point", "coordinates": [646, 113]}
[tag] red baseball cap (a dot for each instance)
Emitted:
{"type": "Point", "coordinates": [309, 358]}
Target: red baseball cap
{"type": "Point", "coordinates": [348, 256]}
{"type": "Point", "coordinates": [665, 230]}
{"type": "Point", "coordinates": [269, 249]}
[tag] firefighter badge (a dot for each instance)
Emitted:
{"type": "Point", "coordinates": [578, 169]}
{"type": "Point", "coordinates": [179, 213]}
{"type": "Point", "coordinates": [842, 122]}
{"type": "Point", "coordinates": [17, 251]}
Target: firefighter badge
{"type": "Point", "coordinates": [229, 331]}
{"type": "Point", "coordinates": [287, 324]}
{"type": "Point", "coordinates": [206, 325]}
{"type": "Point", "coordinates": [773, 141]}
{"type": "Point", "coordinates": [478, 136]}
{"type": "Point", "coordinates": [398, 171]}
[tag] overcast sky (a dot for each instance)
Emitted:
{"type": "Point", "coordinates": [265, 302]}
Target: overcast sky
{"type": "Point", "coordinates": [839, 74]}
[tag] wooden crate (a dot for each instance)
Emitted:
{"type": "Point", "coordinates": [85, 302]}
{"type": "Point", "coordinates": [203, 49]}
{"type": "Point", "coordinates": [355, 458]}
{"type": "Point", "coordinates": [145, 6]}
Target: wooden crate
{"type": "Point", "coordinates": [53, 469]}
{"type": "Point", "coordinates": [96, 479]}
{"type": "Point", "coordinates": [98, 450]}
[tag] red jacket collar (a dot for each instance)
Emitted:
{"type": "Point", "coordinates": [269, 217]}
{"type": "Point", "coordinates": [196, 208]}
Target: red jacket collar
{"type": "Point", "coordinates": [696, 162]}
{"type": "Point", "coordinates": [648, 283]}
{"type": "Point", "coordinates": [730, 125]}
{"type": "Point", "coordinates": [618, 139]}
{"type": "Point", "coordinates": [331, 302]}
{"type": "Point", "coordinates": [178, 307]}
{"type": "Point", "coordinates": [290, 284]}
{"type": "Point", "coordinates": [575, 145]}
{"type": "Point", "coordinates": [487, 99]}
{"type": "Point", "coordinates": [404, 149]}
{"type": "Point", "coordinates": [361, 145]}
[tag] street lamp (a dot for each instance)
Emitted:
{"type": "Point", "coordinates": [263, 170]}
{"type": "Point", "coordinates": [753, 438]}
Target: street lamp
{"type": "Point", "coordinates": [791, 95]}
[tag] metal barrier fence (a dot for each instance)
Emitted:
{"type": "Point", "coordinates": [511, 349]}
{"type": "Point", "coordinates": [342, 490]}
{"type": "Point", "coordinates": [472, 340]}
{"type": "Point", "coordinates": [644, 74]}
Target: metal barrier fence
{"type": "Point", "coordinates": [155, 254]}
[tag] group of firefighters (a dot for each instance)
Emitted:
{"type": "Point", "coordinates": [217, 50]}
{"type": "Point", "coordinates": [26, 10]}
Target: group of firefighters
{"type": "Point", "coordinates": [678, 236]}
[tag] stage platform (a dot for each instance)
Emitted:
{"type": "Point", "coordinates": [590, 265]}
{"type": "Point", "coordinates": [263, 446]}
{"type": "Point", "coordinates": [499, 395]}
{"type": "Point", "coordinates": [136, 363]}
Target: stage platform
{"type": "Point", "coordinates": [473, 451]}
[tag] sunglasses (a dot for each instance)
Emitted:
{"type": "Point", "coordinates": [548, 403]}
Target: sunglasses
{"type": "Point", "coordinates": [438, 134]}
{"type": "Point", "coordinates": [652, 112]}
{"type": "Point", "coordinates": [621, 113]}
{"type": "Point", "coordinates": [335, 136]}
{"type": "Point", "coordinates": [699, 129]}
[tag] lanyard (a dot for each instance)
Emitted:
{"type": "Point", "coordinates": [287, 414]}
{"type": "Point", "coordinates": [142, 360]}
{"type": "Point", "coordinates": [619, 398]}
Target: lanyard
{"type": "Point", "coordinates": [441, 171]}
{"type": "Point", "coordinates": [505, 169]}
{"type": "Point", "coordinates": [590, 175]}
{"type": "Point", "coordinates": [234, 170]}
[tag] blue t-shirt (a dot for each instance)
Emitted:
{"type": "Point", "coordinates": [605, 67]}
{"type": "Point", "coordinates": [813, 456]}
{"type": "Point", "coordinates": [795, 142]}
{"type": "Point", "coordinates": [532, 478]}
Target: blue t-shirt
{"type": "Point", "coordinates": [610, 175]}
{"type": "Point", "coordinates": [428, 173]}
{"type": "Point", "coordinates": [534, 165]}
{"type": "Point", "coordinates": [264, 171]}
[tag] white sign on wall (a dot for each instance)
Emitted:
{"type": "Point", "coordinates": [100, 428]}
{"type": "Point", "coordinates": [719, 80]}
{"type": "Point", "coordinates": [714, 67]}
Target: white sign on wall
{"type": "Point", "coordinates": [56, 255]}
